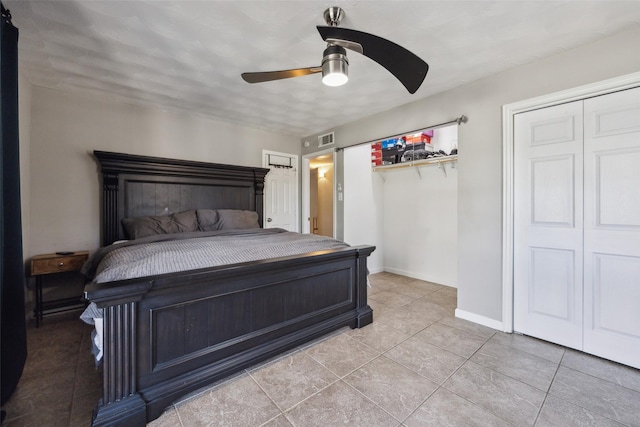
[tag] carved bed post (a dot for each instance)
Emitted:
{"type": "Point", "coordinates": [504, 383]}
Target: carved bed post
{"type": "Point", "coordinates": [121, 403]}
{"type": "Point", "coordinates": [110, 208]}
{"type": "Point", "coordinates": [259, 189]}
{"type": "Point", "coordinates": [364, 312]}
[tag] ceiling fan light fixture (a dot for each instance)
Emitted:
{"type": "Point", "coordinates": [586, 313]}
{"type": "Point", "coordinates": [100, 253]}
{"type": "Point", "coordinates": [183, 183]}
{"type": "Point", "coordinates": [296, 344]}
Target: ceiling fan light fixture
{"type": "Point", "coordinates": [335, 66]}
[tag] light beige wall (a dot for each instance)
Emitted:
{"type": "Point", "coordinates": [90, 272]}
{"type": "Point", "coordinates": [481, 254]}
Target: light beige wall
{"type": "Point", "coordinates": [325, 201]}
{"type": "Point", "coordinates": [66, 127]}
{"type": "Point", "coordinates": [313, 201]}
{"type": "Point", "coordinates": [480, 145]}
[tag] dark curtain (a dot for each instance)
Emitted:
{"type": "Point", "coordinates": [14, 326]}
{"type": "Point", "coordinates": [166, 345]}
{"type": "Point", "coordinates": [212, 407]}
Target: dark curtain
{"type": "Point", "coordinates": [13, 352]}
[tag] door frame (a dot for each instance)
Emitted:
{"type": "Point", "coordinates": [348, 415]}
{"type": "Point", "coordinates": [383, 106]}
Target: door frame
{"type": "Point", "coordinates": [508, 112]}
{"type": "Point", "coordinates": [296, 190]}
{"type": "Point", "coordinates": [306, 181]}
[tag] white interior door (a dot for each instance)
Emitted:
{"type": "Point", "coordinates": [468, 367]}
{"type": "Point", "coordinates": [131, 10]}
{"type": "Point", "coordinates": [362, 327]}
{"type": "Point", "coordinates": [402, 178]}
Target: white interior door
{"type": "Point", "coordinates": [548, 224]}
{"type": "Point", "coordinates": [577, 225]}
{"type": "Point", "coordinates": [612, 226]}
{"type": "Point", "coordinates": [281, 191]}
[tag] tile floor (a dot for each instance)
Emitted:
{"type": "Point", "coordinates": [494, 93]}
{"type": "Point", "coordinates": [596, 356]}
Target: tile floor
{"type": "Point", "coordinates": [416, 365]}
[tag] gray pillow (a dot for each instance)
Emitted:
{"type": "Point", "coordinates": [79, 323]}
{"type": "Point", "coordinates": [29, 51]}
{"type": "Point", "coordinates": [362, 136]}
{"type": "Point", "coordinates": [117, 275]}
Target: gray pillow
{"type": "Point", "coordinates": [144, 226]}
{"type": "Point", "coordinates": [236, 219]}
{"type": "Point", "coordinates": [207, 219]}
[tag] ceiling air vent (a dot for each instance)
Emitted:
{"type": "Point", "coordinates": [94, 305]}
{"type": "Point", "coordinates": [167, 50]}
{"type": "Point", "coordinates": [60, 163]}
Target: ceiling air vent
{"type": "Point", "coordinates": [326, 139]}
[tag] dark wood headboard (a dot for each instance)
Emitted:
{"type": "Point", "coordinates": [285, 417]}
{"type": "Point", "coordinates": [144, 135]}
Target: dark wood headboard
{"type": "Point", "coordinates": [142, 186]}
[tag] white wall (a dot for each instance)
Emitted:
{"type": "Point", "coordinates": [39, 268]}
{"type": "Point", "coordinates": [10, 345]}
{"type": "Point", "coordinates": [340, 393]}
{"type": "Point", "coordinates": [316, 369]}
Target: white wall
{"type": "Point", "coordinates": [363, 204]}
{"type": "Point", "coordinates": [480, 145]}
{"type": "Point", "coordinates": [66, 127]}
{"type": "Point", "coordinates": [420, 223]}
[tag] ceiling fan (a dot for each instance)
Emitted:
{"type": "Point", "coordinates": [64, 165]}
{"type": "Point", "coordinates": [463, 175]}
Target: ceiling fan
{"type": "Point", "coordinates": [404, 65]}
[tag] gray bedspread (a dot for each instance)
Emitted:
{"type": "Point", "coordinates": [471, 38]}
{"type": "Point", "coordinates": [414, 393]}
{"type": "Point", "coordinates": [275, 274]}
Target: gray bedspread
{"type": "Point", "coordinates": [171, 253]}
{"type": "Point", "coordinates": [188, 251]}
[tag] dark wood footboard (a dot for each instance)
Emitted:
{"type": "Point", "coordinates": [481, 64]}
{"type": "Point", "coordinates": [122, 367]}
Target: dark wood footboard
{"type": "Point", "coordinates": [166, 336]}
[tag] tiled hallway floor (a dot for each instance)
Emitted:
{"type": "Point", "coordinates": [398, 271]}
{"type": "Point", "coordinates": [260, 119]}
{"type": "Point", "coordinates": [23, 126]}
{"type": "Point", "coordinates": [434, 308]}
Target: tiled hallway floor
{"type": "Point", "coordinates": [416, 365]}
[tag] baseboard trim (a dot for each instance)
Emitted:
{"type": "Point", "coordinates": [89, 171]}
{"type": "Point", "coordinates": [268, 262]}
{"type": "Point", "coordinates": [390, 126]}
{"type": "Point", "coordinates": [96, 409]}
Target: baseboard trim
{"type": "Point", "coordinates": [481, 320]}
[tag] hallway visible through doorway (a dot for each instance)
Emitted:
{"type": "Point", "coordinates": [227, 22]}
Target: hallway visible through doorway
{"type": "Point", "coordinates": [321, 200]}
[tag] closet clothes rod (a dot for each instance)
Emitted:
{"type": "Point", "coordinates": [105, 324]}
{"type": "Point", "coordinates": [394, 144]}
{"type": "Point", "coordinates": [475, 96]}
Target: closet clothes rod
{"type": "Point", "coordinates": [458, 121]}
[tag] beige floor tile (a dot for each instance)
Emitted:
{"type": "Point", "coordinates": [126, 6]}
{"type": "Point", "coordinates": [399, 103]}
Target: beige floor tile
{"type": "Point", "coordinates": [444, 408]}
{"type": "Point", "coordinates": [426, 308]}
{"type": "Point", "coordinates": [443, 298]}
{"type": "Point", "coordinates": [82, 407]}
{"type": "Point", "coordinates": [509, 399]}
{"type": "Point", "coordinates": [48, 417]}
{"type": "Point", "coordinates": [381, 282]}
{"type": "Point", "coordinates": [423, 284]}
{"type": "Point", "coordinates": [426, 359]}
{"type": "Point", "coordinates": [454, 340]}
{"type": "Point", "coordinates": [379, 336]}
{"type": "Point", "coordinates": [557, 412]}
{"type": "Point", "coordinates": [409, 321]}
{"type": "Point", "coordinates": [603, 369]}
{"type": "Point", "coordinates": [237, 403]}
{"type": "Point", "coordinates": [599, 396]}
{"type": "Point", "coordinates": [169, 418]}
{"type": "Point", "coordinates": [392, 299]}
{"type": "Point", "coordinates": [279, 421]}
{"type": "Point", "coordinates": [534, 346]}
{"type": "Point", "coordinates": [414, 292]}
{"type": "Point", "coordinates": [292, 379]}
{"type": "Point", "coordinates": [395, 278]}
{"type": "Point", "coordinates": [35, 396]}
{"type": "Point", "coordinates": [379, 308]}
{"type": "Point", "coordinates": [342, 354]}
{"type": "Point", "coordinates": [396, 389]}
{"type": "Point", "coordinates": [529, 369]}
{"type": "Point", "coordinates": [336, 405]}
{"type": "Point", "coordinates": [465, 325]}
{"type": "Point", "coordinates": [53, 352]}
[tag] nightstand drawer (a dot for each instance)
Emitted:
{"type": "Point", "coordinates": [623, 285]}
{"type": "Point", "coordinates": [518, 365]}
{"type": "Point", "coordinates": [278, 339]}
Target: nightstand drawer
{"type": "Point", "coordinates": [46, 264]}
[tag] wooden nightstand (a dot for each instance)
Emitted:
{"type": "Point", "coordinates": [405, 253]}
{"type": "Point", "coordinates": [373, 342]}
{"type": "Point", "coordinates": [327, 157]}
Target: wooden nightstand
{"type": "Point", "coordinates": [52, 264]}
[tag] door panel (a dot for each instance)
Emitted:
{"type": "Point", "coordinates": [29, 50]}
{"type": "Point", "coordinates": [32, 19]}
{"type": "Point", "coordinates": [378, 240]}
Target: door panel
{"type": "Point", "coordinates": [617, 175]}
{"type": "Point", "coordinates": [552, 190]}
{"type": "Point", "coordinates": [615, 291]}
{"type": "Point", "coordinates": [612, 226]}
{"type": "Point", "coordinates": [548, 224]}
{"type": "Point", "coordinates": [551, 283]}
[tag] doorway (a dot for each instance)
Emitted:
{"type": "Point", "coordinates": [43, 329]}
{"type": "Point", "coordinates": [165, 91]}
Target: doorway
{"type": "Point", "coordinates": [318, 199]}
{"type": "Point", "coordinates": [281, 190]}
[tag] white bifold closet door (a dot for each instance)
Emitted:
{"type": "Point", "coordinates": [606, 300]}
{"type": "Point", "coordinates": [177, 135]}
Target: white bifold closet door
{"type": "Point", "coordinates": [577, 225]}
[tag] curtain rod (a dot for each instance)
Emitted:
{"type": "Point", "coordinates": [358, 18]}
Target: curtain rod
{"type": "Point", "coordinates": [458, 120]}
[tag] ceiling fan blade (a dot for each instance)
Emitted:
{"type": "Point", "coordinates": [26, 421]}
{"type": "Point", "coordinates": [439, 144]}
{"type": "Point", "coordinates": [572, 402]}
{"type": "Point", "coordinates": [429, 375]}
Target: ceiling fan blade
{"type": "Point", "coordinates": [404, 65]}
{"type": "Point", "coordinates": [266, 76]}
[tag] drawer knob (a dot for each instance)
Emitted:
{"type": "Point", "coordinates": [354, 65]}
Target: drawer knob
{"type": "Point", "coordinates": [60, 264]}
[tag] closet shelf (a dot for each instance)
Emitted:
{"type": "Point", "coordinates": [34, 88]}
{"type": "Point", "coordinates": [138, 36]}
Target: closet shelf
{"type": "Point", "coordinates": [439, 161]}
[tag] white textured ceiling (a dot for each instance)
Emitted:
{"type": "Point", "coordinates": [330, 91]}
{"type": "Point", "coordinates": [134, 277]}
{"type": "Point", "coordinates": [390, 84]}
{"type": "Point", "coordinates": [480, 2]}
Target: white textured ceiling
{"type": "Point", "coordinates": [188, 55]}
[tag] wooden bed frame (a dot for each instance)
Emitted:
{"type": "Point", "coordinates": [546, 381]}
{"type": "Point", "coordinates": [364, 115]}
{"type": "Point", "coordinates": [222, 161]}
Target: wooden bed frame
{"type": "Point", "coordinates": [168, 335]}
